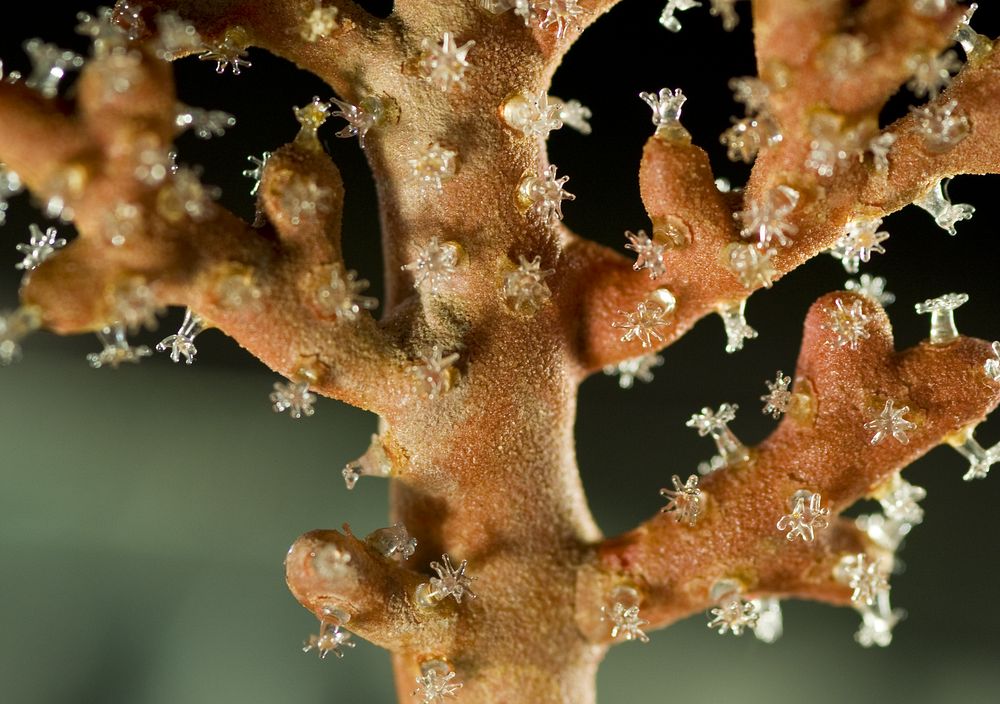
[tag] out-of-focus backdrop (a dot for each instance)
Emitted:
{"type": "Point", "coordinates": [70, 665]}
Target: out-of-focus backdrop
{"type": "Point", "coordinates": [145, 512]}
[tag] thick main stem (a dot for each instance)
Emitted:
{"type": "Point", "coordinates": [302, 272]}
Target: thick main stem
{"type": "Point", "coordinates": [515, 509]}
{"type": "Point", "coordinates": [487, 472]}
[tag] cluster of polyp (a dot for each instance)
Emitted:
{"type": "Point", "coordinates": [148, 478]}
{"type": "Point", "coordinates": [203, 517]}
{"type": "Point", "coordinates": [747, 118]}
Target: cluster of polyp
{"type": "Point", "coordinates": [560, 14]}
{"type": "Point", "coordinates": [40, 246]}
{"type": "Point", "coordinates": [668, 17]}
{"type": "Point", "coordinates": [847, 324]}
{"type": "Point", "coordinates": [735, 321]}
{"type": "Point", "coordinates": [319, 23]}
{"type": "Point", "coordinates": [49, 65]}
{"type": "Point", "coordinates": [941, 124]}
{"type": "Point", "coordinates": [877, 621]}
{"type": "Point", "coordinates": [435, 682]}
{"type": "Point", "coordinates": [174, 37]}
{"type": "Point", "coordinates": [752, 266]}
{"type": "Point", "coordinates": [116, 349]}
{"type": "Point", "coordinates": [765, 221]}
{"type": "Point", "coordinates": [205, 124]}
{"type": "Point", "coordinates": [734, 614]}
{"type": "Point", "coordinates": [432, 166]}
{"type": "Point", "coordinates": [901, 512]}
{"type": "Point", "coordinates": [835, 141]}
{"type": "Point", "coordinates": [867, 577]}
{"type": "Point", "coordinates": [666, 106]}
{"type": "Point", "coordinates": [434, 372]}
{"type": "Point", "coordinates": [393, 542]}
{"type": "Point", "coordinates": [890, 423]}
{"type": "Point", "coordinates": [778, 398]}
{"type": "Point", "coordinates": [540, 196]}
{"type": "Point", "coordinates": [14, 326]}
{"type": "Point", "coordinates": [230, 52]}
{"type": "Point", "coordinates": [757, 128]}
{"type": "Point", "coordinates": [368, 113]}
{"type": "Point", "coordinates": [443, 65]}
{"type": "Point", "coordinates": [294, 396]}
{"type": "Point", "coordinates": [630, 370]}
{"type": "Point", "coordinates": [974, 44]}
{"type": "Point", "coordinates": [434, 264]}
{"type": "Point", "coordinates": [649, 253]}
{"type": "Point", "coordinates": [534, 115]}
{"type": "Point", "coordinates": [524, 288]}
{"type": "Point", "coordinates": [806, 515]}
{"type": "Point", "coordinates": [342, 297]}
{"type": "Point", "coordinates": [931, 72]}
{"type": "Point", "coordinates": [872, 288]}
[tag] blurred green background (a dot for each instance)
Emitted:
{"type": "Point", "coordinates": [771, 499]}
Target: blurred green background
{"type": "Point", "coordinates": [145, 512]}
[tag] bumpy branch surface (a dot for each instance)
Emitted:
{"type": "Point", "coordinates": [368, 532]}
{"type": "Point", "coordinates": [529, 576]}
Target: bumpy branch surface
{"type": "Point", "coordinates": [915, 168]}
{"type": "Point", "coordinates": [824, 449]}
{"type": "Point", "coordinates": [678, 186]}
{"type": "Point", "coordinates": [847, 57]}
{"type": "Point", "coordinates": [482, 451]}
{"type": "Point", "coordinates": [250, 283]}
{"type": "Point", "coordinates": [326, 567]}
{"type": "Point", "coordinates": [360, 46]}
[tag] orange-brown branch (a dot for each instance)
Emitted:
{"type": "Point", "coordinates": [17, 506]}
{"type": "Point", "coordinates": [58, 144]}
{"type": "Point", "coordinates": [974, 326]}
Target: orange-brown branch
{"type": "Point", "coordinates": [825, 450]}
{"type": "Point", "coordinates": [193, 260]}
{"type": "Point", "coordinates": [485, 468]}
{"type": "Point", "coordinates": [846, 57]}
{"type": "Point", "coordinates": [914, 167]}
{"type": "Point", "coordinates": [685, 207]}
{"type": "Point", "coordinates": [361, 45]}
{"type": "Point", "coordinates": [326, 569]}
{"type": "Point", "coordinates": [676, 181]}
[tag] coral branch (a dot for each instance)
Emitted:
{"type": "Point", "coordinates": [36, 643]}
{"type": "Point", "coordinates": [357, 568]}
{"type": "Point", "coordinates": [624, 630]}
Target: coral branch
{"type": "Point", "coordinates": [495, 312]}
{"type": "Point", "coordinates": [825, 447]}
{"type": "Point", "coordinates": [847, 57]}
{"type": "Point", "coordinates": [326, 569]}
{"type": "Point", "coordinates": [36, 136]}
{"type": "Point", "coordinates": [705, 275]}
{"type": "Point", "coordinates": [141, 224]}
{"type": "Point", "coordinates": [915, 167]}
{"type": "Point", "coordinates": [693, 222]}
{"type": "Point", "coordinates": [345, 55]}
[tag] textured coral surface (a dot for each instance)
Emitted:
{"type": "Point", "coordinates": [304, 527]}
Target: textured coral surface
{"type": "Point", "coordinates": [495, 312]}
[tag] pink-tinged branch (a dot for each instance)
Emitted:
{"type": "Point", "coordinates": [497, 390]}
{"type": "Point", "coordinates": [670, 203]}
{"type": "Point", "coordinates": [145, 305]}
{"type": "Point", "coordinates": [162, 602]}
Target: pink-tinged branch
{"type": "Point", "coordinates": [674, 571]}
{"type": "Point", "coordinates": [693, 222]}
{"type": "Point", "coordinates": [823, 447]}
{"type": "Point", "coordinates": [831, 84]}
{"type": "Point", "coordinates": [915, 166]}
{"type": "Point", "coordinates": [845, 58]}
{"type": "Point", "coordinates": [330, 570]}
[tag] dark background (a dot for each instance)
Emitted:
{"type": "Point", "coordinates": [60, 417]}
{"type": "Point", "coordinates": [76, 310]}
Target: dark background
{"type": "Point", "coordinates": [145, 512]}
